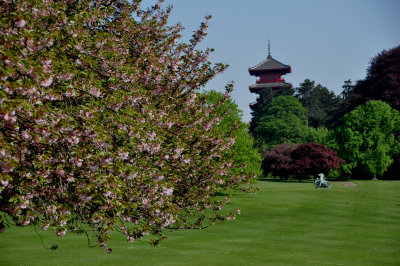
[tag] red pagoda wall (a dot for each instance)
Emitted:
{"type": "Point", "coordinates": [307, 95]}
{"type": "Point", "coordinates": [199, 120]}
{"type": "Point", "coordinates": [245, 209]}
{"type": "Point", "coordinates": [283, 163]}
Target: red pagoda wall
{"type": "Point", "coordinates": [270, 78]}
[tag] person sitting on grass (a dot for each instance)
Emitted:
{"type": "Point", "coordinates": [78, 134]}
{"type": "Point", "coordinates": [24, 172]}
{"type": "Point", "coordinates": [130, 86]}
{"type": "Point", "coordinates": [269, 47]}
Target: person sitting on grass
{"type": "Point", "coordinates": [321, 182]}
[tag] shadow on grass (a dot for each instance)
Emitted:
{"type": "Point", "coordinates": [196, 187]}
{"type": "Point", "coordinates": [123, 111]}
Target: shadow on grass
{"type": "Point", "coordinates": [285, 180]}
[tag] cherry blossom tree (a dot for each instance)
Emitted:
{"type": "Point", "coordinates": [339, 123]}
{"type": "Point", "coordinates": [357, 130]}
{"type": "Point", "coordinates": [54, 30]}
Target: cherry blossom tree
{"type": "Point", "coordinates": [101, 125]}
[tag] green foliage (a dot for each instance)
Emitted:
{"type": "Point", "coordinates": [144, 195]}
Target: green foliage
{"type": "Point", "coordinates": [348, 89]}
{"type": "Point", "coordinates": [264, 98]}
{"type": "Point", "coordinates": [284, 121]}
{"type": "Point", "coordinates": [324, 108]}
{"type": "Point", "coordinates": [245, 153]}
{"type": "Point", "coordinates": [366, 138]}
{"type": "Point", "coordinates": [230, 111]}
{"type": "Point", "coordinates": [245, 156]}
{"type": "Point", "coordinates": [318, 135]}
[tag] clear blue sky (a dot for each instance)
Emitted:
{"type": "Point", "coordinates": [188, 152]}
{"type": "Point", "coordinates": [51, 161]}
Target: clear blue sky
{"type": "Point", "coordinates": [325, 41]}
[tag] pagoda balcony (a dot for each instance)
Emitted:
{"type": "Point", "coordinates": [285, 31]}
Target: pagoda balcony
{"type": "Point", "coordinates": [260, 86]}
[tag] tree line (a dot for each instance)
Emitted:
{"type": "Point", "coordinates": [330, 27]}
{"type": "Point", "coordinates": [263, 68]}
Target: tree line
{"type": "Point", "coordinates": [361, 126]}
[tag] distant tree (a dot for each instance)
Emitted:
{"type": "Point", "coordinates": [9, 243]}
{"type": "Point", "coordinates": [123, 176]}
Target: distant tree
{"type": "Point", "coordinates": [382, 81]}
{"type": "Point", "coordinates": [246, 158]}
{"type": "Point", "coordinates": [278, 162]}
{"type": "Point", "coordinates": [229, 109]}
{"type": "Point", "coordinates": [322, 105]}
{"type": "Point", "coordinates": [317, 135]}
{"type": "Point", "coordinates": [263, 100]}
{"type": "Point", "coordinates": [366, 139]}
{"type": "Point", "coordinates": [245, 154]}
{"type": "Point", "coordinates": [284, 121]}
{"type": "Point", "coordinates": [312, 159]}
{"type": "Point", "coordinates": [348, 89]}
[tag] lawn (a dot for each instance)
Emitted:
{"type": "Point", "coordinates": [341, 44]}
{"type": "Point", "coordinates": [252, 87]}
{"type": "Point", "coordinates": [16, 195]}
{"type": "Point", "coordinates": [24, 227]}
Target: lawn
{"type": "Point", "coordinates": [285, 223]}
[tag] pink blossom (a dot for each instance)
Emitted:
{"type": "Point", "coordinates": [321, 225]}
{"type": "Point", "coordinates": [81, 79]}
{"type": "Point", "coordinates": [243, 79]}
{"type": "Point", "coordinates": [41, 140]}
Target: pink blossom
{"type": "Point", "coordinates": [106, 160]}
{"type": "Point", "coordinates": [123, 155]}
{"type": "Point", "coordinates": [158, 5]}
{"type": "Point", "coordinates": [167, 191]}
{"type": "Point", "coordinates": [65, 76]}
{"type": "Point", "coordinates": [146, 203]}
{"type": "Point", "coordinates": [72, 141]}
{"type": "Point", "coordinates": [10, 117]}
{"type": "Point", "coordinates": [238, 211]}
{"type": "Point", "coordinates": [49, 41]}
{"type": "Point", "coordinates": [178, 152]}
{"type": "Point", "coordinates": [46, 82]}
{"type": "Point", "coordinates": [233, 217]}
{"type": "Point", "coordinates": [154, 148]}
{"type": "Point", "coordinates": [61, 232]}
{"type": "Point", "coordinates": [4, 154]}
{"type": "Point", "coordinates": [130, 176]}
{"type": "Point", "coordinates": [151, 135]}
{"type": "Point", "coordinates": [45, 227]}
{"type": "Point", "coordinates": [85, 198]}
{"type": "Point", "coordinates": [95, 92]}
{"type": "Point", "coordinates": [20, 23]}
{"type": "Point", "coordinates": [47, 66]}
{"type": "Point", "coordinates": [60, 172]}
{"type": "Point", "coordinates": [7, 168]}
{"type": "Point", "coordinates": [78, 162]}
{"type": "Point", "coordinates": [25, 222]}
{"type": "Point", "coordinates": [25, 135]}
{"type": "Point", "coordinates": [4, 183]}
{"type": "Point", "coordinates": [219, 181]}
{"type": "Point", "coordinates": [192, 97]}
{"type": "Point", "coordinates": [93, 168]}
{"type": "Point", "coordinates": [51, 209]}
{"type": "Point", "coordinates": [206, 126]}
{"type": "Point", "coordinates": [24, 205]}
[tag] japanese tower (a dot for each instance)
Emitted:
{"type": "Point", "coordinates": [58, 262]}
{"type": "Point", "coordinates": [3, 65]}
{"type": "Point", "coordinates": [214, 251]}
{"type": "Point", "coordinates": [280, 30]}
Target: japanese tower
{"type": "Point", "coordinates": [269, 73]}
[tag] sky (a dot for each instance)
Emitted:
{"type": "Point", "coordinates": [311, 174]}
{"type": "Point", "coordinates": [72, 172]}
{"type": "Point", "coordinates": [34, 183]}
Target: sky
{"type": "Point", "coordinates": [322, 40]}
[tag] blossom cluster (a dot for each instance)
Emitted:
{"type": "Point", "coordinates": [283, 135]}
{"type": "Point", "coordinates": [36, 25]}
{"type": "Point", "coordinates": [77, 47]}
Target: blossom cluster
{"type": "Point", "coordinates": [101, 122]}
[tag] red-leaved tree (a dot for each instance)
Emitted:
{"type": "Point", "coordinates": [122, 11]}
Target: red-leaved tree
{"type": "Point", "coordinates": [312, 159]}
{"type": "Point", "coordinates": [278, 162]}
{"type": "Point", "coordinates": [101, 123]}
{"type": "Point", "coordinates": [382, 81]}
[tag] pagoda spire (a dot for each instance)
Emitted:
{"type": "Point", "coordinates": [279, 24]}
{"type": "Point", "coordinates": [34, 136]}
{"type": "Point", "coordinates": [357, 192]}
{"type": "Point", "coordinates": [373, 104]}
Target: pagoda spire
{"type": "Point", "coordinates": [269, 49]}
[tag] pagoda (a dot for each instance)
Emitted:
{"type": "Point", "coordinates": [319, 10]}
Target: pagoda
{"type": "Point", "coordinates": [269, 73]}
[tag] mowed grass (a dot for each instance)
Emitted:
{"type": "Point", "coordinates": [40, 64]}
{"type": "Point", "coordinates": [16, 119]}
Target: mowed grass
{"type": "Point", "coordinates": [285, 223]}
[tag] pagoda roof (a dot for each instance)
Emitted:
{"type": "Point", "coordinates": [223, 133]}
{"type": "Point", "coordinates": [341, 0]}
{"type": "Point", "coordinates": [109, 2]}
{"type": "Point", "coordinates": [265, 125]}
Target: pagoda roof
{"type": "Point", "coordinates": [260, 86]}
{"type": "Point", "coordinates": [269, 65]}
